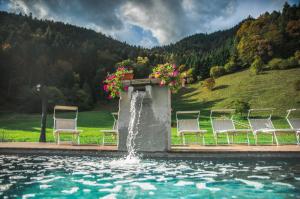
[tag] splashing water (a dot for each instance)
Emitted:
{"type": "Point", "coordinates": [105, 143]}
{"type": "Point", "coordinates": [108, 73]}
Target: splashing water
{"type": "Point", "coordinates": [136, 106]}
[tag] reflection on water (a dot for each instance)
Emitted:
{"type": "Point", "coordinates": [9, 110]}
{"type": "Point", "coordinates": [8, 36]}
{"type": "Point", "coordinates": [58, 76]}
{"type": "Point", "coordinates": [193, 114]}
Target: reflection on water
{"type": "Point", "coordinates": [91, 177]}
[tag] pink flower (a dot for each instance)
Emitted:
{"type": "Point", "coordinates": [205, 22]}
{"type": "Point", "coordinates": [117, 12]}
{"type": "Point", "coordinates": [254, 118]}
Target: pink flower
{"type": "Point", "coordinates": [174, 66]}
{"type": "Point", "coordinates": [105, 88]}
{"type": "Point", "coordinates": [109, 97]}
{"type": "Point", "coordinates": [125, 88]}
{"type": "Point", "coordinates": [162, 82]}
{"type": "Point", "coordinates": [175, 73]}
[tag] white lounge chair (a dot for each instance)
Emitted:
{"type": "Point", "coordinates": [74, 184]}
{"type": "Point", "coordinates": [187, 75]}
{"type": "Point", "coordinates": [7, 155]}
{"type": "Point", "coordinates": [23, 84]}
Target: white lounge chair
{"type": "Point", "coordinates": [264, 125]}
{"type": "Point", "coordinates": [294, 123]}
{"type": "Point", "coordinates": [226, 125]}
{"type": "Point", "coordinates": [111, 132]}
{"type": "Point", "coordinates": [66, 126]}
{"type": "Point", "coordinates": [189, 126]}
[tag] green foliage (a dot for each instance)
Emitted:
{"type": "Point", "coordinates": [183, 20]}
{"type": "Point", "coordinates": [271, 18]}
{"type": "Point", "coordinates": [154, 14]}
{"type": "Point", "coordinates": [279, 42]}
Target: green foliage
{"type": "Point", "coordinates": [232, 65]}
{"type": "Point", "coordinates": [257, 66]}
{"type": "Point", "coordinates": [54, 96]}
{"type": "Point", "coordinates": [217, 71]}
{"type": "Point", "coordinates": [270, 35]}
{"type": "Point", "coordinates": [241, 107]}
{"type": "Point", "coordinates": [209, 83]}
{"type": "Point", "coordinates": [278, 63]}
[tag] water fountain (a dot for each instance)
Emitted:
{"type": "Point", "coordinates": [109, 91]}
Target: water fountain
{"type": "Point", "coordinates": [144, 117]}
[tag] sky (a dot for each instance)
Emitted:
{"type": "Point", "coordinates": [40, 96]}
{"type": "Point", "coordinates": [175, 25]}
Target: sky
{"type": "Point", "coordinates": [146, 23]}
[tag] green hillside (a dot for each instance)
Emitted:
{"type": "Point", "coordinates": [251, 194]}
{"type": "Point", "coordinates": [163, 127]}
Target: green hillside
{"type": "Point", "coordinates": [270, 89]}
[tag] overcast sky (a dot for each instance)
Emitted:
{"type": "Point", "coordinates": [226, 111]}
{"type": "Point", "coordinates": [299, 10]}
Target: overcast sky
{"type": "Point", "coordinates": [146, 22]}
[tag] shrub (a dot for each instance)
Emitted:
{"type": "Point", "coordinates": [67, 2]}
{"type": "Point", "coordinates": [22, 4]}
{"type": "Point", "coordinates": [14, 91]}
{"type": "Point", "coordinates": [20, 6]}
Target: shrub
{"type": "Point", "coordinates": [209, 83]}
{"type": "Point", "coordinates": [297, 85]}
{"type": "Point", "coordinates": [274, 63]}
{"type": "Point", "coordinates": [257, 66]}
{"type": "Point", "coordinates": [230, 67]}
{"type": "Point", "coordinates": [241, 107]}
{"type": "Point", "coordinates": [278, 63]}
{"type": "Point", "coordinates": [217, 71]}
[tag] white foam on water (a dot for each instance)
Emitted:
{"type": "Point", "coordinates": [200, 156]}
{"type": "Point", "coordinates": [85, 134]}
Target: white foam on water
{"type": "Point", "coordinates": [110, 196]}
{"type": "Point", "coordinates": [144, 185]}
{"type": "Point", "coordinates": [31, 195]}
{"type": "Point", "coordinates": [86, 190]}
{"type": "Point", "coordinates": [151, 193]}
{"type": "Point", "coordinates": [297, 178]}
{"type": "Point", "coordinates": [182, 183]}
{"type": "Point", "coordinates": [45, 186]}
{"type": "Point", "coordinates": [267, 168]}
{"type": "Point", "coordinates": [5, 187]}
{"type": "Point", "coordinates": [50, 180]}
{"type": "Point", "coordinates": [258, 177]}
{"type": "Point", "coordinates": [93, 183]}
{"type": "Point", "coordinates": [116, 189]}
{"type": "Point", "coordinates": [71, 191]}
{"type": "Point", "coordinates": [283, 184]}
{"type": "Point", "coordinates": [17, 177]}
{"type": "Point", "coordinates": [203, 186]}
{"type": "Point", "coordinates": [256, 185]}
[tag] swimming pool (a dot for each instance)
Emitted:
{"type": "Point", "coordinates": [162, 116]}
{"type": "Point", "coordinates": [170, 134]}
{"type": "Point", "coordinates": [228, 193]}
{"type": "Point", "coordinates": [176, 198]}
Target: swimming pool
{"type": "Point", "coordinates": [94, 177]}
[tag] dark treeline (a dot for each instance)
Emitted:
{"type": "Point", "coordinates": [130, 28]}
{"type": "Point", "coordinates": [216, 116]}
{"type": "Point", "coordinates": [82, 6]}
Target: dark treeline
{"type": "Point", "coordinates": [71, 62]}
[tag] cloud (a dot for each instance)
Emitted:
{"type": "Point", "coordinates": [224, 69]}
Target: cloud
{"type": "Point", "coordinates": [146, 22]}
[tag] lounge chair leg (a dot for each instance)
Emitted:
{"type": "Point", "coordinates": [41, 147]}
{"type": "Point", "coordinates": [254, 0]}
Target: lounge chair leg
{"type": "Point", "coordinates": [248, 139]}
{"type": "Point", "coordinates": [232, 138]}
{"type": "Point", "coordinates": [275, 138]}
{"type": "Point", "coordinates": [203, 139]}
{"type": "Point", "coordinates": [297, 137]}
{"type": "Point", "coordinates": [78, 139]}
{"type": "Point", "coordinates": [255, 137]}
{"type": "Point", "coordinates": [228, 141]}
{"type": "Point", "coordinates": [216, 139]}
{"type": "Point", "coordinates": [103, 139]}
{"type": "Point", "coordinates": [183, 138]}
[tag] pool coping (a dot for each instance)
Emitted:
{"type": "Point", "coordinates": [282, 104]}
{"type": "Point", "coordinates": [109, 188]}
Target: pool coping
{"type": "Point", "coordinates": [209, 152]}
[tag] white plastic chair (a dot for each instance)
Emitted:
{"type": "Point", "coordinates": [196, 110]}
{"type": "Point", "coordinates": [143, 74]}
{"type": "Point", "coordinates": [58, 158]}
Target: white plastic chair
{"type": "Point", "coordinates": [264, 125]}
{"type": "Point", "coordinates": [294, 123]}
{"type": "Point", "coordinates": [189, 126]}
{"type": "Point", "coordinates": [66, 126]}
{"type": "Point", "coordinates": [111, 132]}
{"type": "Point", "coordinates": [225, 125]}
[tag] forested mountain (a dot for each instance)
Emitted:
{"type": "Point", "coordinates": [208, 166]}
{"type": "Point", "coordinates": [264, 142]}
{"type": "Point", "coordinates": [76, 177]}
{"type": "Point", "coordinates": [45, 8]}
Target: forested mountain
{"type": "Point", "coordinates": [71, 62]}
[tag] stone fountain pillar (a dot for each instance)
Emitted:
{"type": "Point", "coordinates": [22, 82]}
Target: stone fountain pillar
{"type": "Point", "coordinates": [155, 121]}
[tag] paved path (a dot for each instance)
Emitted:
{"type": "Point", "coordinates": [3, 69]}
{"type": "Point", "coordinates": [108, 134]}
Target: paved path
{"type": "Point", "coordinates": [191, 148]}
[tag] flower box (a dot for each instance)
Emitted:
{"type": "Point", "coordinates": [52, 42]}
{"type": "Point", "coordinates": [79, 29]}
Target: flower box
{"type": "Point", "coordinates": [128, 76]}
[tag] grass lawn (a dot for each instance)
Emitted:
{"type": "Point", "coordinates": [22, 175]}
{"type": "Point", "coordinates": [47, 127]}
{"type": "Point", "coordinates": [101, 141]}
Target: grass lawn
{"type": "Point", "coordinates": [271, 89]}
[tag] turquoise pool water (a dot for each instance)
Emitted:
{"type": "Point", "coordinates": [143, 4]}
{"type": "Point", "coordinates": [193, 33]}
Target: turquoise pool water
{"type": "Point", "coordinates": [91, 177]}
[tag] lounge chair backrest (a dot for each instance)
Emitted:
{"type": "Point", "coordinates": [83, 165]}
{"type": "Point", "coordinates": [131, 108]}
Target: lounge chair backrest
{"type": "Point", "coordinates": [258, 124]}
{"type": "Point", "coordinates": [188, 124]}
{"type": "Point", "coordinates": [222, 124]}
{"type": "Point", "coordinates": [65, 124]}
{"type": "Point", "coordinates": [294, 122]}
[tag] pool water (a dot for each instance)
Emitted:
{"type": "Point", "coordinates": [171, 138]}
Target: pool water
{"type": "Point", "coordinates": [92, 177]}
